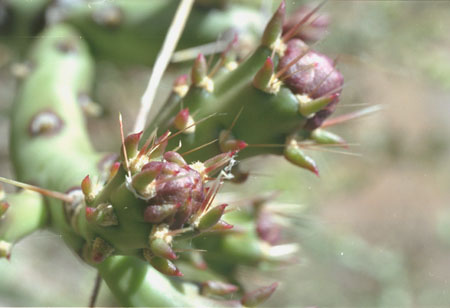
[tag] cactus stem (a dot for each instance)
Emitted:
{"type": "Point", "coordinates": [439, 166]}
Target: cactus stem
{"type": "Point", "coordinates": [288, 35]}
{"type": "Point", "coordinates": [42, 191]}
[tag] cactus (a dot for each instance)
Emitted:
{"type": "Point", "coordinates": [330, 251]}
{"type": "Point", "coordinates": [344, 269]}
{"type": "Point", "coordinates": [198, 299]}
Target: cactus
{"type": "Point", "coordinates": [149, 208]}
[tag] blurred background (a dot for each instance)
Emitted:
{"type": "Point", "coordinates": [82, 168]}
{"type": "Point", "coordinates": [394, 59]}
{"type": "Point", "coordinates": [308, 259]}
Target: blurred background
{"type": "Point", "coordinates": [374, 229]}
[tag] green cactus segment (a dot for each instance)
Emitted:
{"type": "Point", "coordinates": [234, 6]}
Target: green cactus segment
{"type": "Point", "coordinates": [132, 31]}
{"type": "Point", "coordinates": [49, 141]}
{"type": "Point", "coordinates": [26, 214]}
{"type": "Point", "coordinates": [136, 284]}
{"type": "Point", "coordinates": [21, 19]}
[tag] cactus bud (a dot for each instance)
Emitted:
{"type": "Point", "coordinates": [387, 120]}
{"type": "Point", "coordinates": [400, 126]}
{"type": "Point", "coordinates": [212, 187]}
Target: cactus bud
{"type": "Point", "coordinates": [184, 121]}
{"type": "Point", "coordinates": [100, 250]}
{"type": "Point", "coordinates": [157, 213]}
{"type": "Point", "coordinates": [258, 296]}
{"type": "Point", "coordinates": [144, 181]}
{"type": "Point", "coordinates": [180, 85]}
{"type": "Point", "coordinates": [296, 156]}
{"type": "Point", "coordinates": [160, 248]}
{"type": "Point", "coordinates": [5, 249]}
{"type": "Point", "coordinates": [227, 144]}
{"type": "Point", "coordinates": [131, 143]}
{"type": "Point", "coordinates": [197, 260]}
{"type": "Point", "coordinates": [88, 189]}
{"type": "Point", "coordinates": [263, 77]}
{"type": "Point", "coordinates": [274, 28]}
{"type": "Point", "coordinates": [217, 162]}
{"type": "Point", "coordinates": [211, 217]}
{"type": "Point", "coordinates": [199, 70]}
{"type": "Point", "coordinates": [320, 81]}
{"type": "Point", "coordinates": [175, 157]}
{"type": "Point", "coordinates": [322, 136]}
{"type": "Point", "coordinates": [218, 288]}
{"type": "Point", "coordinates": [162, 265]}
{"type": "Point", "coordinates": [3, 207]}
{"type": "Point", "coordinates": [113, 171]}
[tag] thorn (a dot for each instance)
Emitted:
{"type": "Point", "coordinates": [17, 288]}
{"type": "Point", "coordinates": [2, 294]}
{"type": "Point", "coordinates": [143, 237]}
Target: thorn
{"type": "Point", "coordinates": [258, 296]}
{"type": "Point", "coordinates": [211, 217]}
{"type": "Point", "coordinates": [113, 171]}
{"type": "Point", "coordinates": [199, 70]}
{"type": "Point", "coordinates": [211, 287]}
{"type": "Point", "coordinates": [161, 248]}
{"type": "Point", "coordinates": [350, 116]}
{"type": "Point", "coordinates": [162, 265]}
{"type": "Point", "coordinates": [124, 152]}
{"type": "Point", "coordinates": [295, 155]}
{"type": "Point", "coordinates": [308, 106]}
{"type": "Point", "coordinates": [184, 121]}
{"type": "Point", "coordinates": [263, 77]}
{"type": "Point", "coordinates": [322, 136]}
{"type": "Point", "coordinates": [42, 191]}
{"type": "Point", "coordinates": [274, 28]}
{"type": "Point", "coordinates": [221, 225]}
{"type": "Point", "coordinates": [305, 19]}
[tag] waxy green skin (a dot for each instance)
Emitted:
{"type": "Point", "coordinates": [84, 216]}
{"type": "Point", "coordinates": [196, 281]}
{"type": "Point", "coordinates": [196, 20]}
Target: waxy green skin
{"type": "Point", "coordinates": [136, 34]}
{"type": "Point", "coordinates": [60, 160]}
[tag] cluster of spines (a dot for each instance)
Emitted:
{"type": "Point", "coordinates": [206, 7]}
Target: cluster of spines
{"type": "Point", "coordinates": [286, 70]}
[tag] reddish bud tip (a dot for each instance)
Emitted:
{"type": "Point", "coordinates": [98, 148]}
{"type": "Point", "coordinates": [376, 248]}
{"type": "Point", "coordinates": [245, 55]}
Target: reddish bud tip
{"type": "Point", "coordinates": [86, 185]}
{"type": "Point", "coordinates": [164, 266]}
{"type": "Point", "coordinates": [241, 144]}
{"type": "Point", "coordinates": [218, 288]}
{"type": "Point", "coordinates": [258, 296]}
{"type": "Point", "coordinates": [222, 225]}
{"type": "Point", "coordinates": [90, 214]}
{"type": "Point", "coordinates": [263, 77]}
{"type": "Point", "coordinates": [199, 70]}
{"type": "Point", "coordinates": [181, 80]}
{"type": "Point", "coordinates": [131, 143]}
{"type": "Point", "coordinates": [3, 207]}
